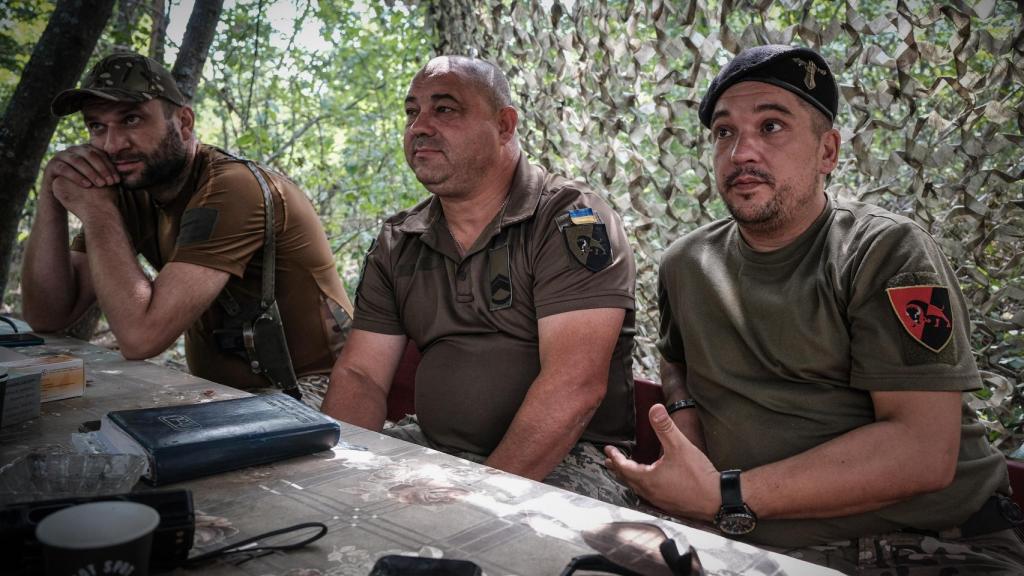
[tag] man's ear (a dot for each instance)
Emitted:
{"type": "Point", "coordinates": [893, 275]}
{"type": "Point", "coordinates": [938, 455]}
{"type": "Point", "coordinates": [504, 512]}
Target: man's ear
{"type": "Point", "coordinates": [828, 151]}
{"type": "Point", "coordinates": [187, 120]}
{"type": "Point", "coordinates": [508, 119]}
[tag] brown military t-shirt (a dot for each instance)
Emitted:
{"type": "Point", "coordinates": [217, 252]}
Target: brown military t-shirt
{"type": "Point", "coordinates": [782, 350]}
{"type": "Point", "coordinates": [479, 356]}
{"type": "Point", "coordinates": [217, 222]}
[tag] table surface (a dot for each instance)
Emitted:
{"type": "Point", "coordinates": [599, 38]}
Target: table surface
{"type": "Point", "coordinates": [377, 495]}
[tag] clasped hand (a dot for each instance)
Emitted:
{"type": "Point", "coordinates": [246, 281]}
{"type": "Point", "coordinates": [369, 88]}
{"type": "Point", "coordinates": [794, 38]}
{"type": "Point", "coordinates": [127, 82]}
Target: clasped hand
{"type": "Point", "coordinates": [683, 482]}
{"type": "Point", "coordinates": [83, 180]}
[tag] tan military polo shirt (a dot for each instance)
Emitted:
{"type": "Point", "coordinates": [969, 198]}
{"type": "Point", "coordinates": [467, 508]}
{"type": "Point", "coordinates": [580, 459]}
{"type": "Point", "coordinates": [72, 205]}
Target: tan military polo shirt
{"type": "Point", "coordinates": [217, 222]}
{"type": "Point", "coordinates": [478, 335]}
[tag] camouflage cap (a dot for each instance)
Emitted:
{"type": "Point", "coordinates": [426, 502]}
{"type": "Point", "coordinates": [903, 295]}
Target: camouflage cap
{"type": "Point", "coordinates": [121, 77]}
{"type": "Point", "coordinates": [801, 71]}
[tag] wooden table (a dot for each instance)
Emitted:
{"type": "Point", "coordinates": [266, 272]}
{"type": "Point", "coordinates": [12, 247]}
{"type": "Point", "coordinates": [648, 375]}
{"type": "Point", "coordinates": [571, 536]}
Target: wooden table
{"type": "Point", "coordinates": [376, 494]}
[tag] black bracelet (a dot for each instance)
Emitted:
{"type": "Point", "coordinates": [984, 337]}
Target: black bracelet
{"type": "Point", "coordinates": [681, 405]}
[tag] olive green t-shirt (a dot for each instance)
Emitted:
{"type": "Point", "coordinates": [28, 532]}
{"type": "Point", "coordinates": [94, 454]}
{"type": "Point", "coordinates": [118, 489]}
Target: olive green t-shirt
{"type": "Point", "coordinates": [217, 221]}
{"type": "Point", "coordinates": [479, 355]}
{"type": "Point", "coordinates": [782, 350]}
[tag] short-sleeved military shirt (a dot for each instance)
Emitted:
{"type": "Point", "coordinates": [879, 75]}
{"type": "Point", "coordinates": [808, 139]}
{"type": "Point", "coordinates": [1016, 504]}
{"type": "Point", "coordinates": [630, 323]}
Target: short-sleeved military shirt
{"type": "Point", "coordinates": [480, 343]}
{"type": "Point", "coordinates": [782, 349]}
{"type": "Point", "coordinates": [217, 221]}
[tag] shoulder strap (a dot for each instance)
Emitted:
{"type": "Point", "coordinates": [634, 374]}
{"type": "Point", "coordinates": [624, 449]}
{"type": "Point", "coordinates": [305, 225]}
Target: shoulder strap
{"type": "Point", "coordinates": [269, 242]}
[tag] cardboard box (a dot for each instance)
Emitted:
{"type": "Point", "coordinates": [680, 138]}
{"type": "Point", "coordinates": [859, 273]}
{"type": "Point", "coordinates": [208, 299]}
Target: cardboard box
{"type": "Point", "coordinates": [19, 396]}
{"type": "Point", "coordinates": [62, 376]}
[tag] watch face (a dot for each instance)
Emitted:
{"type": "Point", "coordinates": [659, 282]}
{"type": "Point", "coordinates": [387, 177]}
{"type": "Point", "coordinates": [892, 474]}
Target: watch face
{"type": "Point", "coordinates": [736, 524]}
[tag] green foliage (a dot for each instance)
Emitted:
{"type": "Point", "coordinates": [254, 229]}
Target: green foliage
{"type": "Point", "coordinates": [320, 98]}
{"type": "Point", "coordinates": [21, 23]}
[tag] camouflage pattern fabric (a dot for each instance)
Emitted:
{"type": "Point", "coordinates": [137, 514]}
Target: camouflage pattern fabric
{"type": "Point", "coordinates": [313, 388]}
{"type": "Point", "coordinates": [582, 471]}
{"type": "Point", "coordinates": [906, 554]}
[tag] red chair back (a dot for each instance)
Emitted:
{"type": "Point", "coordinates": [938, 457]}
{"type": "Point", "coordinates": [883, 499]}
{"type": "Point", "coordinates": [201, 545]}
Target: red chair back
{"type": "Point", "coordinates": [402, 397]}
{"type": "Point", "coordinates": [1016, 470]}
{"type": "Point", "coordinates": [646, 394]}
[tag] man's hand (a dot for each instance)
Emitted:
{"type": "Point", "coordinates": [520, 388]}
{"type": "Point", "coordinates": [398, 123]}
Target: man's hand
{"type": "Point", "coordinates": [89, 204]}
{"type": "Point", "coordinates": [82, 180]}
{"type": "Point", "coordinates": [683, 482]}
{"type": "Point", "coordinates": [84, 165]}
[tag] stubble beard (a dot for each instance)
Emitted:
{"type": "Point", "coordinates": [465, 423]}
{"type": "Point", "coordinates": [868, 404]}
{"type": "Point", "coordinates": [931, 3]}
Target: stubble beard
{"type": "Point", "coordinates": [767, 217]}
{"type": "Point", "coordinates": [451, 177]}
{"type": "Point", "coordinates": [430, 176]}
{"type": "Point", "coordinates": [429, 173]}
{"type": "Point", "coordinates": [163, 164]}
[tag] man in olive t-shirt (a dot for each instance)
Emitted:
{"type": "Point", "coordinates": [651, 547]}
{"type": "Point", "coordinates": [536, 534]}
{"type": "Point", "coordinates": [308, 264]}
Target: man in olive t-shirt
{"type": "Point", "coordinates": [144, 184]}
{"type": "Point", "coordinates": [516, 285]}
{"type": "Point", "coordinates": [815, 355]}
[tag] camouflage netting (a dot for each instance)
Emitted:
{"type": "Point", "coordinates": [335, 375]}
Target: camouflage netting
{"type": "Point", "coordinates": [930, 115]}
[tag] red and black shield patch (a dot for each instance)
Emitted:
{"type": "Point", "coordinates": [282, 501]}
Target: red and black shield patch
{"type": "Point", "coordinates": [925, 313]}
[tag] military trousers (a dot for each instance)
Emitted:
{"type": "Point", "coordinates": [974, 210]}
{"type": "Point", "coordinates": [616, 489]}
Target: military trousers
{"type": "Point", "coordinates": [582, 470]}
{"type": "Point", "coordinates": [909, 554]}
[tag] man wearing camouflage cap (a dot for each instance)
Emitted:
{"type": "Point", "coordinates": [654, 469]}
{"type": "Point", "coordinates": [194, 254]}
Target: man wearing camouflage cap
{"type": "Point", "coordinates": [815, 354]}
{"type": "Point", "coordinates": [144, 184]}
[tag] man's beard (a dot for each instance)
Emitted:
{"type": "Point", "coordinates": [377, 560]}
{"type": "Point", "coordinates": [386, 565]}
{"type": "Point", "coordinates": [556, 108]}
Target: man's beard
{"type": "Point", "coordinates": [765, 218]}
{"type": "Point", "coordinates": [164, 164]}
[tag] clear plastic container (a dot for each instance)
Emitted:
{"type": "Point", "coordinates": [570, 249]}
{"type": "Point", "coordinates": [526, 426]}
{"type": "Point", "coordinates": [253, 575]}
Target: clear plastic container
{"type": "Point", "coordinates": [38, 476]}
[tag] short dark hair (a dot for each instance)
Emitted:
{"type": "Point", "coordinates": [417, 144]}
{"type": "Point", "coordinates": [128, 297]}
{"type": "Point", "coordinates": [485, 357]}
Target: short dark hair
{"type": "Point", "coordinates": [819, 122]}
{"type": "Point", "coordinates": [486, 75]}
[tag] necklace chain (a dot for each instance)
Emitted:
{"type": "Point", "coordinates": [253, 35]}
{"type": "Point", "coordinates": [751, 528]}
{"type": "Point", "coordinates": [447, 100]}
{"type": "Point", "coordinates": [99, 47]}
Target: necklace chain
{"type": "Point", "coordinates": [462, 249]}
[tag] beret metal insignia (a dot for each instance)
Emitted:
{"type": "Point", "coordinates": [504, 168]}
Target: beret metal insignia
{"type": "Point", "coordinates": [810, 68]}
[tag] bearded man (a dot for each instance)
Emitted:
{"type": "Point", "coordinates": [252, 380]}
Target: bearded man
{"type": "Point", "coordinates": [144, 184]}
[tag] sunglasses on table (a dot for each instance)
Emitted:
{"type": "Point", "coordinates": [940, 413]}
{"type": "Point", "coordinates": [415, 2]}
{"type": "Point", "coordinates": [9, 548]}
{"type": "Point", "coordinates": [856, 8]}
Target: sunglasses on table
{"type": "Point", "coordinates": [634, 549]}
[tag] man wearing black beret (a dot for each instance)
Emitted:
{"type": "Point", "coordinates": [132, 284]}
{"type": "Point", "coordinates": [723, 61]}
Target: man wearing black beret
{"type": "Point", "coordinates": [815, 352]}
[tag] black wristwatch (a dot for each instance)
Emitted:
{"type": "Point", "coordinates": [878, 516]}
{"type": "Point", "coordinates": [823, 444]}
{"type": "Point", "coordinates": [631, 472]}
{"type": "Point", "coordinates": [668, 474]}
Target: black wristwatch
{"type": "Point", "coordinates": [734, 518]}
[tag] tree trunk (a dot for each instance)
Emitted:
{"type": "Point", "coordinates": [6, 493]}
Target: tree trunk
{"type": "Point", "coordinates": [158, 33]}
{"type": "Point", "coordinates": [188, 68]}
{"type": "Point", "coordinates": [57, 61]}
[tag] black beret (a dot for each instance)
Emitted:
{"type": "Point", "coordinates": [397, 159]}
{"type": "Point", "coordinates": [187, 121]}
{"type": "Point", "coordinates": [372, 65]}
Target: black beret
{"type": "Point", "coordinates": [802, 71]}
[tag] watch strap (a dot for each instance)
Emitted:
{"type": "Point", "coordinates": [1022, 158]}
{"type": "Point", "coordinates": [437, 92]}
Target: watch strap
{"type": "Point", "coordinates": [730, 484]}
{"type": "Point", "coordinates": [681, 405]}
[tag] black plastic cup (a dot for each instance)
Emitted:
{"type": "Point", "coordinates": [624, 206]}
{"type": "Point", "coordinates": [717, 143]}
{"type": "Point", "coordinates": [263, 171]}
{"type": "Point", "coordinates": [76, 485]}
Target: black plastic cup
{"type": "Point", "coordinates": [98, 539]}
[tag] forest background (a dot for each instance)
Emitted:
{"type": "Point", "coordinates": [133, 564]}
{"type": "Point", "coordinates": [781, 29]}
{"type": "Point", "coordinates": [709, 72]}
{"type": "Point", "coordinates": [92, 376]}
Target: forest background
{"type": "Point", "coordinates": [930, 115]}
